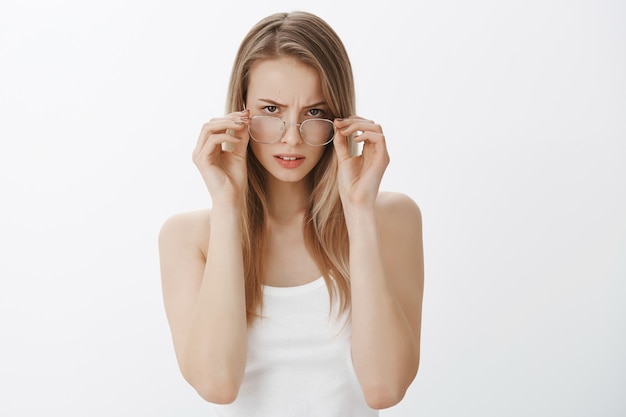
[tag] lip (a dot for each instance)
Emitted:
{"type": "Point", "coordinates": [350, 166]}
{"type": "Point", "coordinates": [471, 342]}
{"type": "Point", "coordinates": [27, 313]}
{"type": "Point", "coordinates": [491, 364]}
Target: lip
{"type": "Point", "coordinates": [288, 160]}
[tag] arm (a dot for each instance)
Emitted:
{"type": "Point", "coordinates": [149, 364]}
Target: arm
{"type": "Point", "coordinates": [386, 268]}
{"type": "Point", "coordinates": [387, 273]}
{"type": "Point", "coordinates": [202, 272]}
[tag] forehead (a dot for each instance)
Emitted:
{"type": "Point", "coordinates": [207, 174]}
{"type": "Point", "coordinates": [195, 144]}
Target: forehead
{"type": "Point", "coordinates": [284, 80]}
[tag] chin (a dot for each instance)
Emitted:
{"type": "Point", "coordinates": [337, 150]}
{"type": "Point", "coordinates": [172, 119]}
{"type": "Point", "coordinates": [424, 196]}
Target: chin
{"type": "Point", "coordinates": [290, 175]}
{"type": "Point", "coordinates": [290, 178]}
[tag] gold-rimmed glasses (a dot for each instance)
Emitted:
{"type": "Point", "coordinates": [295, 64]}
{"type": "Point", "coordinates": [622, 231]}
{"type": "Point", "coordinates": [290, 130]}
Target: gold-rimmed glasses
{"type": "Point", "coordinates": [270, 129]}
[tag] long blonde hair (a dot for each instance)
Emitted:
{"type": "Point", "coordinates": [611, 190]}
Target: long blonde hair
{"type": "Point", "coordinates": [312, 41]}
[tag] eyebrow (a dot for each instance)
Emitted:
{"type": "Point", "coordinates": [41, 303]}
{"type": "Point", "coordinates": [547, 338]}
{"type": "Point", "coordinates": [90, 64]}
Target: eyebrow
{"type": "Point", "coordinates": [276, 103]}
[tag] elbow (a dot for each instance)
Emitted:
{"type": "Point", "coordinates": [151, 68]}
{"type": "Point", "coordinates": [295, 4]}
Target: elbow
{"type": "Point", "coordinates": [219, 396]}
{"type": "Point", "coordinates": [217, 386]}
{"type": "Point", "coordinates": [217, 393]}
{"type": "Point", "coordinates": [215, 383]}
{"type": "Point", "coordinates": [381, 397]}
{"type": "Point", "coordinates": [214, 389]}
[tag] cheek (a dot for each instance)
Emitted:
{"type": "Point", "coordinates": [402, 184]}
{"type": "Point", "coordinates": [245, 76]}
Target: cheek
{"type": "Point", "coordinates": [319, 154]}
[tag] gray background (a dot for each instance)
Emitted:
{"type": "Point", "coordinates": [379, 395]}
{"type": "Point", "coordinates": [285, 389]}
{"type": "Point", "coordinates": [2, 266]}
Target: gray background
{"type": "Point", "coordinates": [505, 122]}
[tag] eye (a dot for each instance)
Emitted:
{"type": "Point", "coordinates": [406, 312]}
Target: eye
{"type": "Point", "coordinates": [271, 109]}
{"type": "Point", "coordinates": [316, 113]}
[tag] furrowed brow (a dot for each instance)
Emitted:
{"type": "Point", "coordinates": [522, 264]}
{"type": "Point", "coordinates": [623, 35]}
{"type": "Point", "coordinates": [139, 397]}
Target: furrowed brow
{"type": "Point", "coordinates": [309, 106]}
{"type": "Point", "coordinates": [272, 102]}
{"type": "Point", "coordinates": [318, 104]}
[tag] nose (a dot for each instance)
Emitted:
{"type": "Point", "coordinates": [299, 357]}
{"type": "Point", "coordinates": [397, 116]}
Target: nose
{"type": "Point", "coordinates": [291, 135]}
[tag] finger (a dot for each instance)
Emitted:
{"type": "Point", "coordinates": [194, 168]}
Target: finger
{"type": "Point", "coordinates": [353, 119]}
{"type": "Point", "coordinates": [341, 146]}
{"type": "Point", "coordinates": [373, 137]}
{"type": "Point", "coordinates": [357, 125]}
{"type": "Point", "coordinates": [207, 144]}
{"type": "Point", "coordinates": [241, 146]}
{"type": "Point", "coordinates": [213, 146]}
{"type": "Point", "coordinates": [374, 148]}
{"type": "Point", "coordinates": [234, 121]}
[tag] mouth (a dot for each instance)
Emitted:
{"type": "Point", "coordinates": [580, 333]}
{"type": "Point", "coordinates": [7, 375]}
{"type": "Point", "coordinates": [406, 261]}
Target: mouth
{"type": "Point", "coordinates": [289, 160]}
{"type": "Point", "coordinates": [288, 157]}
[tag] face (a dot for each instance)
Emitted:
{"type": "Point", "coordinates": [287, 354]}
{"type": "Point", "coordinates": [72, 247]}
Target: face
{"type": "Point", "coordinates": [291, 91]}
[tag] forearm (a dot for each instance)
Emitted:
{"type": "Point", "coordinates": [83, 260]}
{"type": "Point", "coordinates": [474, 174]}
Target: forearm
{"type": "Point", "coordinates": [383, 346]}
{"type": "Point", "coordinates": [215, 353]}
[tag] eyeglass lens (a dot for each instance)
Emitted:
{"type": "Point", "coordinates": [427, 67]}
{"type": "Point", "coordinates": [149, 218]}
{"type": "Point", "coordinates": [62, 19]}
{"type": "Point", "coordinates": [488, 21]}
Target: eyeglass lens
{"type": "Point", "coordinates": [269, 129]}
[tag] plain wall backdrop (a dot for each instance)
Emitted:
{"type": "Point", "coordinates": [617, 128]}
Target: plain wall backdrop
{"type": "Point", "coordinates": [505, 121]}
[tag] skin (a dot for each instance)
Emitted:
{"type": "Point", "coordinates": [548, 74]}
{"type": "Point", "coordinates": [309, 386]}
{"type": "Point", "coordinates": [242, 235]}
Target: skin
{"type": "Point", "coordinates": [201, 259]}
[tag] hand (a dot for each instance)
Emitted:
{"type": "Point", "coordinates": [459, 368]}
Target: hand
{"type": "Point", "coordinates": [223, 172]}
{"type": "Point", "coordinates": [360, 176]}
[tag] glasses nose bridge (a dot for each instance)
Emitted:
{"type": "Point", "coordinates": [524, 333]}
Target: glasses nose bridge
{"type": "Point", "coordinates": [299, 130]}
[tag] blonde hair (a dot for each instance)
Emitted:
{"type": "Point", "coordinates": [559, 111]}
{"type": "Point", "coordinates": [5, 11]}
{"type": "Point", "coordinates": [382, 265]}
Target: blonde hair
{"type": "Point", "coordinates": [312, 41]}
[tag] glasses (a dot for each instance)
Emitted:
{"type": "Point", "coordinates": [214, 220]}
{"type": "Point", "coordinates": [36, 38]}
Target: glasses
{"type": "Point", "coordinates": [270, 129]}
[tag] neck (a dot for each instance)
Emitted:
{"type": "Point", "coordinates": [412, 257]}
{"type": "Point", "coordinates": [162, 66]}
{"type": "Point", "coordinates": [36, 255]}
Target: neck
{"type": "Point", "coordinates": [287, 201]}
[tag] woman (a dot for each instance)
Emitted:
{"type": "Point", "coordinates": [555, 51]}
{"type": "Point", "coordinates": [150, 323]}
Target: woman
{"type": "Point", "coordinates": [300, 292]}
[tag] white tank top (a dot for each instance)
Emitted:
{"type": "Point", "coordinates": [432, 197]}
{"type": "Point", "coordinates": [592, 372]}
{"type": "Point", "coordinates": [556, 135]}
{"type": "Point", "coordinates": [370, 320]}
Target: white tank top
{"type": "Point", "coordinates": [299, 362]}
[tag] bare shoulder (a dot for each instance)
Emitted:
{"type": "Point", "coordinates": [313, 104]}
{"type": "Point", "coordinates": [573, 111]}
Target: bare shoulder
{"type": "Point", "coordinates": [397, 210]}
{"type": "Point", "coordinates": [185, 230]}
{"type": "Point", "coordinates": [399, 222]}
